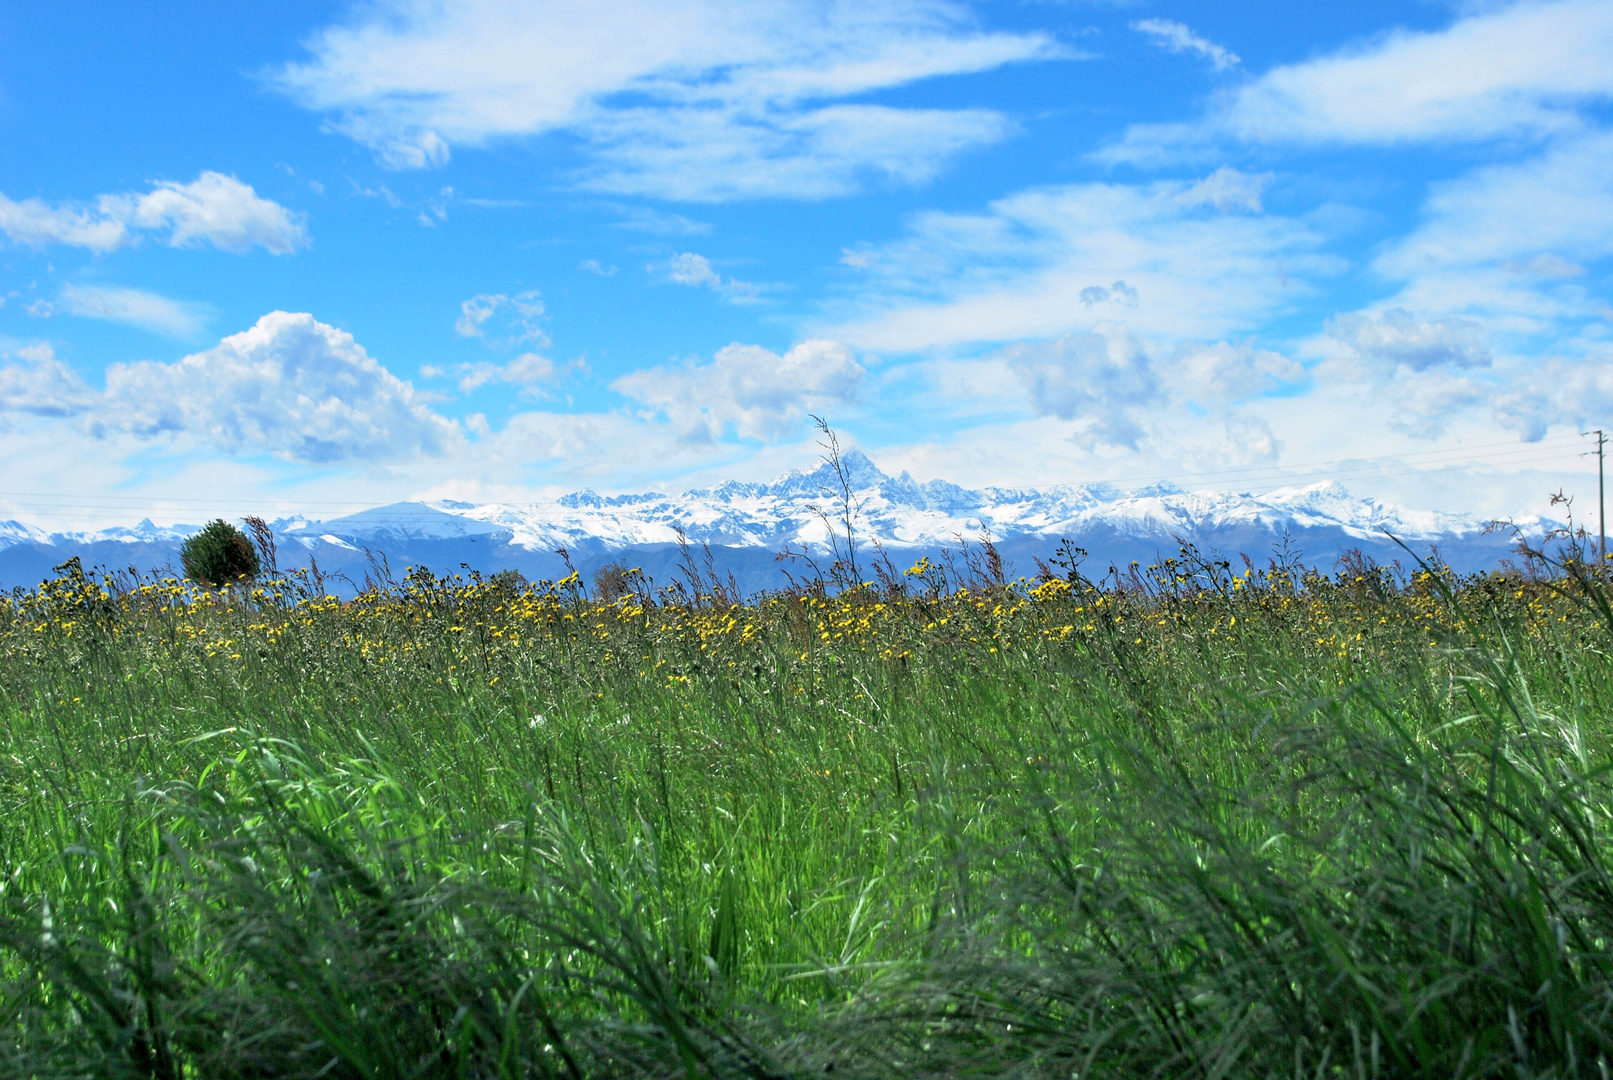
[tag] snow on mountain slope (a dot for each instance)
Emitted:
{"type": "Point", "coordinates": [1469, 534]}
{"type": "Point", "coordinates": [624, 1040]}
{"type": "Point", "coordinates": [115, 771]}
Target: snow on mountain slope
{"type": "Point", "coordinates": [16, 532]}
{"type": "Point", "coordinates": [143, 533]}
{"type": "Point", "coordinates": [410, 521]}
{"type": "Point", "coordinates": [897, 511]}
{"type": "Point", "coordinates": [900, 512]}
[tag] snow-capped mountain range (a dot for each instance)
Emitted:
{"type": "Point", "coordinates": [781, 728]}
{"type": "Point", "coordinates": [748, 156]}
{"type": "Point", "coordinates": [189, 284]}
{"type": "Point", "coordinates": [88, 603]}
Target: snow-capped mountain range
{"type": "Point", "coordinates": [745, 525]}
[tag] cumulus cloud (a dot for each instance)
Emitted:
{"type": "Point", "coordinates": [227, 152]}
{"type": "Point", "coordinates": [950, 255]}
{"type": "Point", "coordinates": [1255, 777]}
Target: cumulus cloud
{"type": "Point", "coordinates": [134, 307]}
{"type": "Point", "coordinates": [503, 321]}
{"type": "Point", "coordinates": [213, 209]}
{"type": "Point", "coordinates": [34, 382]}
{"type": "Point", "coordinates": [1115, 390]}
{"type": "Point", "coordinates": [756, 392]}
{"type": "Point", "coordinates": [290, 386]}
{"type": "Point", "coordinates": [1555, 392]}
{"type": "Point", "coordinates": [1220, 372]}
{"type": "Point", "coordinates": [691, 269]}
{"type": "Point", "coordinates": [1100, 377]}
{"type": "Point", "coordinates": [1118, 293]}
{"type": "Point", "coordinates": [1398, 339]}
{"type": "Point", "coordinates": [1541, 62]}
{"type": "Point", "coordinates": [709, 99]}
{"type": "Point", "coordinates": [1178, 39]}
{"type": "Point", "coordinates": [1426, 403]}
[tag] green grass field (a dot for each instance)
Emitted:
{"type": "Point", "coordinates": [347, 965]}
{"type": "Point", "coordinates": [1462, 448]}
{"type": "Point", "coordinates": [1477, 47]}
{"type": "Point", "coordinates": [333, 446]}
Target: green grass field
{"type": "Point", "coordinates": [1184, 822]}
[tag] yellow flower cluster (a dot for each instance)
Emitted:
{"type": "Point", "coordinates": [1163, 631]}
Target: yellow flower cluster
{"type": "Point", "coordinates": [460, 630]}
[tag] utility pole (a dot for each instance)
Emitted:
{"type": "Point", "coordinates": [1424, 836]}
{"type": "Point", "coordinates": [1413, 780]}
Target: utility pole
{"type": "Point", "coordinates": [1601, 497]}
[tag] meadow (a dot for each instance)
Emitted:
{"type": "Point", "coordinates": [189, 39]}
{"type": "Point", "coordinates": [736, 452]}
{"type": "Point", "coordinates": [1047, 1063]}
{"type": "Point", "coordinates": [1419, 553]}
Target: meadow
{"type": "Point", "coordinates": [1195, 820]}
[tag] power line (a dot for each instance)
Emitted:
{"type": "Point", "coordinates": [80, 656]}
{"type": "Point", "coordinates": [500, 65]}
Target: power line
{"type": "Point", "coordinates": [1443, 456]}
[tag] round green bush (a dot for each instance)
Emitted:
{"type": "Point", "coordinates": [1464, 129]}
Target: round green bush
{"type": "Point", "coordinates": [219, 555]}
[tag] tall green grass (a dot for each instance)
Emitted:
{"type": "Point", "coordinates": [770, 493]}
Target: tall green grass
{"type": "Point", "coordinates": [1178, 825]}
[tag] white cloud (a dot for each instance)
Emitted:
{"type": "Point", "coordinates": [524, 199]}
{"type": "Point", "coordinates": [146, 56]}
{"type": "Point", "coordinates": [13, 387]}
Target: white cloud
{"type": "Point", "coordinates": [502, 320]}
{"type": "Point", "coordinates": [213, 209]}
{"type": "Point", "coordinates": [1522, 69]}
{"type": "Point", "coordinates": [573, 448]}
{"type": "Point", "coordinates": [759, 393]}
{"type": "Point", "coordinates": [1559, 203]}
{"type": "Point", "coordinates": [699, 155]}
{"type": "Point", "coordinates": [1566, 392]}
{"type": "Point", "coordinates": [1398, 339]}
{"type": "Point", "coordinates": [1178, 38]}
{"type": "Point", "coordinates": [691, 269]}
{"type": "Point", "coordinates": [708, 99]}
{"type": "Point", "coordinates": [1220, 372]}
{"type": "Point", "coordinates": [34, 382]}
{"type": "Point", "coordinates": [1035, 263]}
{"type": "Point", "coordinates": [1495, 269]}
{"type": "Point", "coordinates": [1099, 378]}
{"type": "Point", "coordinates": [290, 386]}
{"type": "Point", "coordinates": [649, 220]}
{"type": "Point", "coordinates": [1426, 403]}
{"type": "Point", "coordinates": [219, 210]}
{"type": "Point", "coordinates": [1250, 441]}
{"type": "Point", "coordinates": [529, 369]}
{"type": "Point", "coordinates": [1119, 293]}
{"type": "Point", "coordinates": [594, 266]}
{"type": "Point", "coordinates": [687, 268]}
{"type": "Point", "coordinates": [1504, 328]}
{"type": "Point", "coordinates": [530, 372]}
{"type": "Point", "coordinates": [1545, 265]}
{"type": "Point", "coordinates": [37, 223]}
{"type": "Point", "coordinates": [134, 307]}
{"type": "Point", "coordinates": [395, 149]}
{"type": "Point", "coordinates": [1110, 392]}
{"type": "Point", "coordinates": [1227, 189]}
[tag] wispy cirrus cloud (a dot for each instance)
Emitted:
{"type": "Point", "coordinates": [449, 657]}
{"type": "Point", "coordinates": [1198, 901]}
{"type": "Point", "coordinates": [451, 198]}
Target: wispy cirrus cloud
{"type": "Point", "coordinates": [133, 307]}
{"type": "Point", "coordinates": [1550, 205]}
{"type": "Point", "coordinates": [1526, 69]}
{"type": "Point", "coordinates": [1177, 38]}
{"type": "Point", "coordinates": [213, 209]}
{"type": "Point", "coordinates": [701, 101]}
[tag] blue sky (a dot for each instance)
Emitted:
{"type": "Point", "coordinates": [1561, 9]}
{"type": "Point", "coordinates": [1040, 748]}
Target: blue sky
{"type": "Point", "coordinates": [314, 257]}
